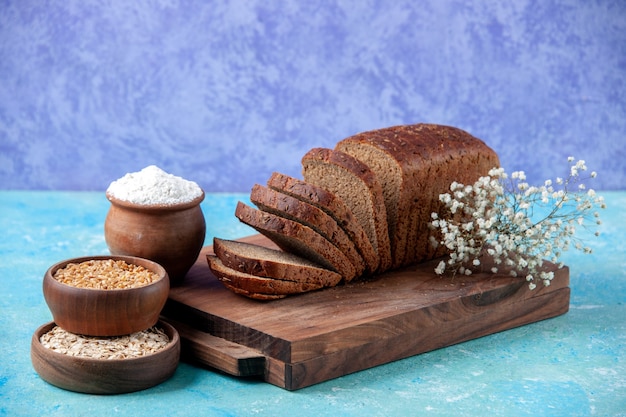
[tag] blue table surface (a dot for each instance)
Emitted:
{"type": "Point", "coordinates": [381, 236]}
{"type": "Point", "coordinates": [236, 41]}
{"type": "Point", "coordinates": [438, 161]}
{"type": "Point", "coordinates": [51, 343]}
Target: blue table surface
{"type": "Point", "coordinates": [571, 365]}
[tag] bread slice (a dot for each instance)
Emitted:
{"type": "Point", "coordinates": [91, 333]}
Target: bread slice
{"type": "Point", "coordinates": [284, 205]}
{"type": "Point", "coordinates": [357, 185]}
{"type": "Point", "coordinates": [227, 284]}
{"type": "Point", "coordinates": [272, 263]}
{"type": "Point", "coordinates": [296, 238]}
{"type": "Point", "coordinates": [254, 284]}
{"type": "Point", "coordinates": [255, 296]}
{"type": "Point", "coordinates": [331, 205]}
{"type": "Point", "coordinates": [415, 164]}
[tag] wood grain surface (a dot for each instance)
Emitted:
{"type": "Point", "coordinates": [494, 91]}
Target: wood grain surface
{"type": "Point", "coordinates": [317, 336]}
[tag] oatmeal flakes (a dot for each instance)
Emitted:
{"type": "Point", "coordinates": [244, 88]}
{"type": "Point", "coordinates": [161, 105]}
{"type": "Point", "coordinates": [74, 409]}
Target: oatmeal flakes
{"type": "Point", "coordinates": [135, 345]}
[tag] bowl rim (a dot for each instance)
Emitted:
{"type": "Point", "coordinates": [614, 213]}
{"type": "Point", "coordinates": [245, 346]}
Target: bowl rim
{"type": "Point", "coordinates": [168, 328]}
{"type": "Point", "coordinates": [156, 207]}
{"type": "Point", "coordinates": [153, 267]}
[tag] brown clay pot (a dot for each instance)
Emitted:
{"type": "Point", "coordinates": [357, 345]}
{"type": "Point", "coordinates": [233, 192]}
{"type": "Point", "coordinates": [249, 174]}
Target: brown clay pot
{"type": "Point", "coordinates": [110, 312]}
{"type": "Point", "coordinates": [171, 235]}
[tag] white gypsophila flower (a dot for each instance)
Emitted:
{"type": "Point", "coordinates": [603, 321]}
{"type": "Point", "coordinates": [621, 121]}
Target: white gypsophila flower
{"type": "Point", "coordinates": [440, 268]}
{"type": "Point", "coordinates": [515, 224]}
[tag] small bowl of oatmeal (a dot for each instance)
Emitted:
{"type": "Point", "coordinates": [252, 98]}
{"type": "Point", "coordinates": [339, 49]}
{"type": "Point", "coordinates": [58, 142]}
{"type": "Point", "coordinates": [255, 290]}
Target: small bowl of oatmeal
{"type": "Point", "coordinates": [106, 295]}
{"type": "Point", "coordinates": [105, 365]}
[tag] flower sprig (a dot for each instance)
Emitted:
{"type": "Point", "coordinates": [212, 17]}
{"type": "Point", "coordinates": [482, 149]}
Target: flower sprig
{"type": "Point", "coordinates": [515, 224]}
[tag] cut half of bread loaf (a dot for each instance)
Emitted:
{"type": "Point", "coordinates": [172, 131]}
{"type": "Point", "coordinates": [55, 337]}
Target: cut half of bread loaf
{"type": "Point", "coordinates": [415, 164]}
{"type": "Point", "coordinates": [297, 238]}
{"type": "Point", "coordinates": [284, 205]}
{"type": "Point", "coordinates": [331, 205]}
{"type": "Point", "coordinates": [255, 284]}
{"type": "Point", "coordinates": [356, 184]}
{"type": "Point", "coordinates": [272, 263]}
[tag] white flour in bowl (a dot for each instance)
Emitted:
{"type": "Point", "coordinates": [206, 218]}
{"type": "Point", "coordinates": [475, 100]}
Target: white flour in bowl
{"type": "Point", "coordinates": [152, 185]}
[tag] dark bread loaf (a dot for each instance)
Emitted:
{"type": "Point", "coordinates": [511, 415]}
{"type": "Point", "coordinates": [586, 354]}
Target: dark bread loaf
{"type": "Point", "coordinates": [353, 182]}
{"type": "Point", "coordinates": [331, 205]}
{"type": "Point", "coordinates": [255, 284]}
{"type": "Point", "coordinates": [296, 238]}
{"type": "Point", "coordinates": [415, 164]}
{"type": "Point", "coordinates": [376, 190]}
{"type": "Point", "coordinates": [271, 263]}
{"type": "Point", "coordinates": [284, 205]}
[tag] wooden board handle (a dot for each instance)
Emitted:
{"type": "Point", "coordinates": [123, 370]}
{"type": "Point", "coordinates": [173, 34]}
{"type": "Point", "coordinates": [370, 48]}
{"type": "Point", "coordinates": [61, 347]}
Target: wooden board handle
{"type": "Point", "coordinates": [229, 357]}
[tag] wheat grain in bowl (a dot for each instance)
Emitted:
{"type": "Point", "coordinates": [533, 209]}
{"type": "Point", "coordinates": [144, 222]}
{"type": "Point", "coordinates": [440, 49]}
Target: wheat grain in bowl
{"type": "Point", "coordinates": [106, 295]}
{"type": "Point", "coordinates": [105, 274]}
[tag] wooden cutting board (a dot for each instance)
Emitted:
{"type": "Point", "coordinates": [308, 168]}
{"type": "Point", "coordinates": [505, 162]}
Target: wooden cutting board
{"type": "Point", "coordinates": [310, 338]}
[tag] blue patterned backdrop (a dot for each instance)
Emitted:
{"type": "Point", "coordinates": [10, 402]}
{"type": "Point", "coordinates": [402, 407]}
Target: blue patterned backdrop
{"type": "Point", "coordinates": [225, 92]}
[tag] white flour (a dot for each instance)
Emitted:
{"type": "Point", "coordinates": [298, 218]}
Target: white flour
{"type": "Point", "coordinates": [152, 185]}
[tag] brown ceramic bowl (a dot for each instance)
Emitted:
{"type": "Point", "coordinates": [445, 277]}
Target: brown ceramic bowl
{"type": "Point", "coordinates": [105, 376]}
{"type": "Point", "coordinates": [110, 312]}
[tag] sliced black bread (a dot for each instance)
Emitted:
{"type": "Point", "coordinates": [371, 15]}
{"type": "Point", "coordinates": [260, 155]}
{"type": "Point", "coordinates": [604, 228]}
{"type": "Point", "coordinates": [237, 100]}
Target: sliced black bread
{"type": "Point", "coordinates": [356, 184]}
{"type": "Point", "coordinates": [272, 263]}
{"type": "Point", "coordinates": [331, 205]}
{"type": "Point", "coordinates": [284, 205]}
{"type": "Point", "coordinates": [255, 296]}
{"type": "Point", "coordinates": [296, 238]}
{"type": "Point", "coordinates": [254, 284]}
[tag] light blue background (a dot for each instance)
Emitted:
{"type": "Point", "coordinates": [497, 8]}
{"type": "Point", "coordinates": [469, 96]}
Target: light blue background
{"type": "Point", "coordinates": [225, 92]}
{"type": "Point", "coordinates": [571, 366]}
